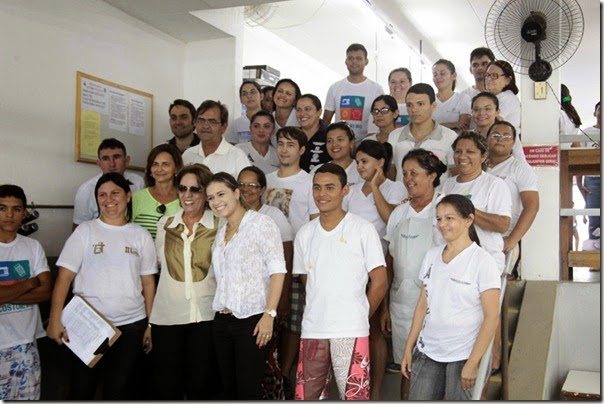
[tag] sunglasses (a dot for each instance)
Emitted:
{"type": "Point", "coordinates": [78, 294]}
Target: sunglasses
{"type": "Point", "coordinates": [161, 209]}
{"type": "Point", "coordinates": [194, 190]}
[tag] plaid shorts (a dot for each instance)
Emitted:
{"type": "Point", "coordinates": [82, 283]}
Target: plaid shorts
{"type": "Point", "coordinates": [298, 303]}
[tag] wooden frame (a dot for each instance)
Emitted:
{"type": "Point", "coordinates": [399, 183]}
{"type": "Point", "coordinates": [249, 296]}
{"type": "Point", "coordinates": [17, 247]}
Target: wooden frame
{"type": "Point", "coordinates": [105, 109]}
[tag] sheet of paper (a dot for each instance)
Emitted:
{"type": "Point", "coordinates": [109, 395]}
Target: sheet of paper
{"type": "Point", "coordinates": [86, 329]}
{"type": "Point", "coordinates": [94, 97]}
{"type": "Point", "coordinates": [118, 109]}
{"type": "Point", "coordinates": [137, 115]}
{"type": "Point", "coordinates": [90, 137]}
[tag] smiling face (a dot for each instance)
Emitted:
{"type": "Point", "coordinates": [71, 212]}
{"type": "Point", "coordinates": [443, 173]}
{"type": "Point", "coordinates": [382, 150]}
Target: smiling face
{"type": "Point", "coordinates": [307, 114]}
{"type": "Point", "coordinates": [399, 83]}
{"type": "Point", "coordinates": [191, 195]}
{"type": "Point", "coordinates": [223, 201]}
{"type": "Point", "coordinates": [261, 129]}
{"type": "Point", "coordinates": [468, 158]}
{"type": "Point", "coordinates": [285, 96]}
{"type": "Point", "coordinates": [113, 203]}
{"type": "Point", "coordinates": [450, 223]}
{"type": "Point", "coordinates": [367, 165]}
{"type": "Point", "coordinates": [250, 97]}
{"type": "Point", "coordinates": [419, 108]}
{"type": "Point", "coordinates": [163, 168]}
{"type": "Point", "coordinates": [495, 86]}
{"type": "Point", "coordinates": [442, 77]}
{"type": "Point", "coordinates": [289, 151]}
{"type": "Point", "coordinates": [356, 62]}
{"type": "Point", "coordinates": [339, 146]}
{"type": "Point", "coordinates": [484, 112]}
{"type": "Point", "coordinates": [383, 120]}
{"type": "Point", "coordinates": [250, 189]}
{"type": "Point", "coordinates": [12, 213]}
{"type": "Point", "coordinates": [417, 180]}
{"type": "Point", "coordinates": [181, 121]}
{"type": "Point", "coordinates": [328, 193]}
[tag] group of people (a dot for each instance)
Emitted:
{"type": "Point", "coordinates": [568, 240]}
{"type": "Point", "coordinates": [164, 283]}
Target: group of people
{"type": "Point", "coordinates": [290, 242]}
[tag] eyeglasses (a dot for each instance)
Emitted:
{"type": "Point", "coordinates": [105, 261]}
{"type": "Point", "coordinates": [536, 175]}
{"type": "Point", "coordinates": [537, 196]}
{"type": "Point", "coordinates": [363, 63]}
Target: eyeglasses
{"type": "Point", "coordinates": [194, 190]}
{"type": "Point", "coordinates": [251, 92]}
{"type": "Point", "coordinates": [382, 111]}
{"type": "Point", "coordinates": [161, 209]}
{"type": "Point", "coordinates": [203, 122]}
{"type": "Point", "coordinates": [493, 76]}
{"type": "Point", "coordinates": [252, 185]}
{"type": "Point", "coordinates": [496, 135]}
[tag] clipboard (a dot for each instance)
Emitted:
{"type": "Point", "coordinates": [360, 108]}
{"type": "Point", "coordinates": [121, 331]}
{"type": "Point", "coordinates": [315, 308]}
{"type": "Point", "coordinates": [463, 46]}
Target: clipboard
{"type": "Point", "coordinates": [90, 333]}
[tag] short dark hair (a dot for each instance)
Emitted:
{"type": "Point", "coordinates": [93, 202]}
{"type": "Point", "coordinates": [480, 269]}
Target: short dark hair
{"type": "Point", "coordinates": [266, 89]}
{"type": "Point", "coordinates": [260, 176]}
{"type": "Point", "coordinates": [423, 88]}
{"type": "Point", "coordinates": [200, 171]}
{"type": "Point", "coordinates": [111, 143]}
{"type": "Point", "coordinates": [292, 133]}
{"type": "Point", "coordinates": [479, 141]}
{"type": "Point", "coordinates": [376, 150]}
{"type": "Point", "coordinates": [119, 180]}
{"type": "Point", "coordinates": [505, 123]}
{"type": "Point", "coordinates": [249, 82]}
{"type": "Point", "coordinates": [162, 148]}
{"type": "Point", "coordinates": [314, 99]}
{"type": "Point", "coordinates": [450, 66]}
{"type": "Point", "coordinates": [342, 125]}
{"type": "Point", "coordinates": [331, 168]}
{"type": "Point", "coordinates": [262, 113]}
{"type": "Point", "coordinates": [15, 191]}
{"type": "Point", "coordinates": [488, 95]}
{"type": "Point", "coordinates": [428, 161]}
{"type": "Point", "coordinates": [357, 47]}
{"type": "Point", "coordinates": [480, 52]}
{"type": "Point", "coordinates": [403, 70]}
{"type": "Point", "coordinates": [388, 100]}
{"type": "Point", "coordinates": [208, 104]}
{"type": "Point", "coordinates": [596, 107]}
{"type": "Point", "coordinates": [464, 207]}
{"type": "Point", "coordinates": [508, 71]}
{"type": "Point", "coordinates": [184, 103]}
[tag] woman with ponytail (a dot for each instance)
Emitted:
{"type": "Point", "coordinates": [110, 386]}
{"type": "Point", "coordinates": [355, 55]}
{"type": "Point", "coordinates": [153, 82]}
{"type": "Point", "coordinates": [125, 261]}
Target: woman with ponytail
{"type": "Point", "coordinates": [457, 312]}
{"type": "Point", "coordinates": [570, 121]}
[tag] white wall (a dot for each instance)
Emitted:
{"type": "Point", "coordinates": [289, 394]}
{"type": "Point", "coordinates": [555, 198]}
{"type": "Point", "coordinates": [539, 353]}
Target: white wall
{"type": "Point", "coordinates": [43, 45]}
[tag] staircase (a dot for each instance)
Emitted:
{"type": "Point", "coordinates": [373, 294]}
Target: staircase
{"type": "Point", "coordinates": [497, 386]}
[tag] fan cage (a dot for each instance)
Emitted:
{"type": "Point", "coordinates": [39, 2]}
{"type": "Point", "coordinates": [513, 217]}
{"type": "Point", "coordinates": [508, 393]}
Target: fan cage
{"type": "Point", "coordinates": [564, 31]}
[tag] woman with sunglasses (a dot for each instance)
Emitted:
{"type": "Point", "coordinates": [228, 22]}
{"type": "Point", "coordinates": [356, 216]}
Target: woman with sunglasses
{"type": "Point", "coordinates": [112, 264]}
{"type": "Point", "coordinates": [182, 311]}
{"type": "Point", "coordinates": [384, 111]}
{"type": "Point", "coordinates": [452, 109]}
{"type": "Point", "coordinates": [500, 80]}
{"type": "Point", "coordinates": [160, 197]}
{"type": "Point", "coordinates": [248, 260]}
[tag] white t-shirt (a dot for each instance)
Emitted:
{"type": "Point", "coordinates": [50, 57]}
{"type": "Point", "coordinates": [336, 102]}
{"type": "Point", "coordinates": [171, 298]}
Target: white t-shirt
{"type": "Point", "coordinates": [454, 313]}
{"type": "Point", "coordinates": [565, 125]}
{"type": "Point", "coordinates": [509, 108]}
{"type": "Point", "coordinates": [450, 110]}
{"type": "Point", "coordinates": [490, 195]}
{"type": "Point", "coordinates": [240, 130]}
{"type": "Point", "coordinates": [439, 142]}
{"type": "Point", "coordinates": [293, 196]}
{"type": "Point", "coordinates": [244, 265]}
{"type": "Point", "coordinates": [285, 229]}
{"type": "Point", "coordinates": [292, 120]}
{"type": "Point", "coordinates": [352, 174]}
{"type": "Point", "coordinates": [84, 206]}
{"type": "Point", "coordinates": [227, 158]}
{"type": "Point", "coordinates": [403, 117]}
{"type": "Point", "coordinates": [21, 259]}
{"type": "Point", "coordinates": [519, 177]}
{"type": "Point", "coordinates": [337, 264]}
{"type": "Point", "coordinates": [108, 262]}
{"type": "Point", "coordinates": [351, 102]}
{"type": "Point", "coordinates": [471, 92]}
{"type": "Point", "coordinates": [267, 164]}
{"type": "Point", "coordinates": [364, 206]}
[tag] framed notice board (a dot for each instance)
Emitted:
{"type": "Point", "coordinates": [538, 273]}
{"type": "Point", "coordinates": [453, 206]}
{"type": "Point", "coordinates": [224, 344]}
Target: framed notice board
{"type": "Point", "coordinates": [105, 109]}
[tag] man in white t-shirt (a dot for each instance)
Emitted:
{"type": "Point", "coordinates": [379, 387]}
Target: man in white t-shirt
{"type": "Point", "coordinates": [24, 281]}
{"type": "Point", "coordinates": [336, 256]}
{"type": "Point", "coordinates": [350, 99]}
{"type": "Point", "coordinates": [250, 95]}
{"type": "Point", "coordinates": [422, 131]}
{"type": "Point", "coordinates": [290, 190]}
{"type": "Point", "coordinates": [112, 159]}
{"type": "Point", "coordinates": [479, 60]}
{"type": "Point", "coordinates": [214, 151]}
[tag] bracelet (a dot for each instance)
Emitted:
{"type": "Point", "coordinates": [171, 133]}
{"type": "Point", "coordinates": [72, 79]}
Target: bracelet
{"type": "Point", "coordinates": [149, 325]}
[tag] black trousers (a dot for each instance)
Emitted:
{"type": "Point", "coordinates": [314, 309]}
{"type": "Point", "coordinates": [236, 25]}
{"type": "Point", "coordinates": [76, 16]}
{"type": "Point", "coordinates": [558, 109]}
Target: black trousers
{"type": "Point", "coordinates": [184, 362]}
{"type": "Point", "coordinates": [240, 362]}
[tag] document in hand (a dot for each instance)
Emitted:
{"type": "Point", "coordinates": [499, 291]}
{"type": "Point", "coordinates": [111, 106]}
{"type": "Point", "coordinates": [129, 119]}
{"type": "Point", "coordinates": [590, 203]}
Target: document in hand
{"type": "Point", "coordinates": [90, 334]}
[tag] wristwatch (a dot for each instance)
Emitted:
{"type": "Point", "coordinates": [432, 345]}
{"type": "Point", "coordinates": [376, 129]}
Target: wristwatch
{"type": "Point", "coordinates": [271, 312]}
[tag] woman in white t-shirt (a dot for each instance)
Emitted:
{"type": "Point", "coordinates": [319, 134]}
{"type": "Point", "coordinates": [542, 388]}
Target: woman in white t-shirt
{"type": "Point", "coordinates": [457, 312]}
{"type": "Point", "coordinates": [500, 80]}
{"type": "Point", "coordinates": [285, 96]}
{"type": "Point", "coordinates": [112, 264]}
{"type": "Point", "coordinates": [340, 145]}
{"type": "Point", "coordinates": [248, 261]}
{"type": "Point", "coordinates": [399, 81]}
{"type": "Point", "coordinates": [384, 111]}
{"type": "Point", "coordinates": [570, 121]}
{"type": "Point", "coordinates": [452, 109]}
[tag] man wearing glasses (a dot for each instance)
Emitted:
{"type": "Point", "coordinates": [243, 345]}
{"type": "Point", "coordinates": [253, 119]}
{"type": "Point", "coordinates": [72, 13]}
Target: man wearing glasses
{"type": "Point", "coordinates": [214, 151]}
{"type": "Point", "coordinates": [350, 98]}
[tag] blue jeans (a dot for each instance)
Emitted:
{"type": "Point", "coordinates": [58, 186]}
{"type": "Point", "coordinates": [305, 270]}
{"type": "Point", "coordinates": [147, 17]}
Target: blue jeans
{"type": "Point", "coordinates": [592, 200]}
{"type": "Point", "coordinates": [431, 380]}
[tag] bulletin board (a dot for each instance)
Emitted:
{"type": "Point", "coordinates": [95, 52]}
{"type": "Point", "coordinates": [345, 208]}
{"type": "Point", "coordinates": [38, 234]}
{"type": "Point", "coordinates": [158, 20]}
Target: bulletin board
{"type": "Point", "coordinates": [109, 110]}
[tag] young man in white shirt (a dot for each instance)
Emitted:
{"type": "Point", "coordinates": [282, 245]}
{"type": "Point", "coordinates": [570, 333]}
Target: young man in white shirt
{"type": "Point", "coordinates": [250, 95]}
{"type": "Point", "coordinates": [112, 159]}
{"type": "Point", "coordinates": [214, 151]}
{"type": "Point", "coordinates": [24, 281]}
{"type": "Point", "coordinates": [479, 61]}
{"type": "Point", "coordinates": [350, 99]}
{"type": "Point", "coordinates": [337, 255]}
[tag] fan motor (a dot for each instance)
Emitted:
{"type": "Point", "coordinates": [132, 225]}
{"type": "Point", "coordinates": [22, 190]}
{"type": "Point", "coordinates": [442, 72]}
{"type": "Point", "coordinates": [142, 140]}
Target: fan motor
{"type": "Point", "coordinates": [534, 27]}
